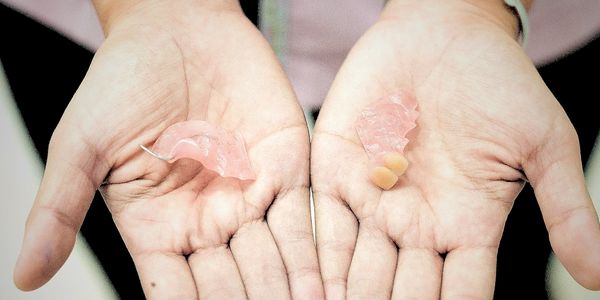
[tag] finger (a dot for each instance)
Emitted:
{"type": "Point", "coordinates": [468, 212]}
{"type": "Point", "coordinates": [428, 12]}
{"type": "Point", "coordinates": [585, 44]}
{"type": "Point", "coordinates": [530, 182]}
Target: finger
{"type": "Point", "coordinates": [556, 174]}
{"type": "Point", "coordinates": [418, 274]}
{"type": "Point", "coordinates": [336, 237]}
{"type": "Point", "coordinates": [216, 274]}
{"type": "Point", "coordinates": [73, 173]}
{"type": "Point", "coordinates": [259, 262]}
{"type": "Point", "coordinates": [469, 273]}
{"type": "Point", "coordinates": [371, 274]}
{"type": "Point", "coordinates": [165, 276]}
{"type": "Point", "coordinates": [289, 221]}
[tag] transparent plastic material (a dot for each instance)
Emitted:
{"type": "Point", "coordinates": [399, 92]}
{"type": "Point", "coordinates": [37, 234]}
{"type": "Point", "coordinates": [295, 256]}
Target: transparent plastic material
{"type": "Point", "coordinates": [217, 149]}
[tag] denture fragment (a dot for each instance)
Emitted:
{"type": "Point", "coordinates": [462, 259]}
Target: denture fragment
{"type": "Point", "coordinates": [396, 162]}
{"type": "Point", "coordinates": [382, 128]}
{"type": "Point", "coordinates": [216, 148]}
{"type": "Point", "coordinates": [383, 177]}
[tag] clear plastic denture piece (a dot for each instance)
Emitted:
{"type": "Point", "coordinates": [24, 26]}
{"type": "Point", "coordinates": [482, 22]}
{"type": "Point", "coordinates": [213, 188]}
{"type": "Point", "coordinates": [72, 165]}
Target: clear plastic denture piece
{"type": "Point", "coordinates": [382, 128]}
{"type": "Point", "coordinates": [217, 149]}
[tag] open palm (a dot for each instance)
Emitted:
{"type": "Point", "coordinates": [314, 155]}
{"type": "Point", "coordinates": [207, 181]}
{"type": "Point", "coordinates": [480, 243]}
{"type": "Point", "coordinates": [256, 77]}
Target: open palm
{"type": "Point", "coordinates": [191, 233]}
{"type": "Point", "coordinates": [487, 124]}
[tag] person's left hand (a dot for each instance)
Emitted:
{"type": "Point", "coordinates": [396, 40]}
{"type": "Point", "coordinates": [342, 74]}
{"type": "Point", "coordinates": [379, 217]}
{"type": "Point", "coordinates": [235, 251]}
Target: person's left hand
{"type": "Point", "coordinates": [487, 123]}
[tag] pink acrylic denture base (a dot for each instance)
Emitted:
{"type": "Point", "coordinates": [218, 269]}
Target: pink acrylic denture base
{"type": "Point", "coordinates": [217, 149]}
{"type": "Point", "coordinates": [382, 126]}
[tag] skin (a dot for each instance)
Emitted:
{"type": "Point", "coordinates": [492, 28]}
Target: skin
{"type": "Point", "coordinates": [196, 235]}
{"type": "Point", "coordinates": [191, 233]}
{"type": "Point", "coordinates": [487, 124]}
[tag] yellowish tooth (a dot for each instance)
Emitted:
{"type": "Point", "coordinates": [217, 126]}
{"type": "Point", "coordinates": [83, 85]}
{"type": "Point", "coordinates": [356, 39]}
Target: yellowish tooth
{"type": "Point", "coordinates": [383, 177]}
{"type": "Point", "coordinates": [395, 162]}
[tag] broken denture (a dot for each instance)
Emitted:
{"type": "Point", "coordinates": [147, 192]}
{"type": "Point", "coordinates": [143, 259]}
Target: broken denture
{"type": "Point", "coordinates": [217, 149]}
{"type": "Point", "coordinates": [382, 128]}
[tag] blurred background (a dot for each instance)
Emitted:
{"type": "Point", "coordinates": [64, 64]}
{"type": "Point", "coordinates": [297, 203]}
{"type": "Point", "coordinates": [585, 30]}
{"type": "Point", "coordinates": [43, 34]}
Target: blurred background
{"type": "Point", "coordinates": [46, 47]}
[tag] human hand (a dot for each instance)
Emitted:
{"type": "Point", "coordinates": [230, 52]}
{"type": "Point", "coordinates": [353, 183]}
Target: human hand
{"type": "Point", "coordinates": [191, 233]}
{"type": "Point", "coordinates": [487, 124]}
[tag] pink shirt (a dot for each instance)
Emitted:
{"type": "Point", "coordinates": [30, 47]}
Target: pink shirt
{"type": "Point", "coordinates": [319, 35]}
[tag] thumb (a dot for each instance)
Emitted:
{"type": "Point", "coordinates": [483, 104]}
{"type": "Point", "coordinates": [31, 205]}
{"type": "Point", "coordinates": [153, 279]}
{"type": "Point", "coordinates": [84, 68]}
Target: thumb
{"type": "Point", "coordinates": [73, 173]}
{"type": "Point", "coordinates": [556, 174]}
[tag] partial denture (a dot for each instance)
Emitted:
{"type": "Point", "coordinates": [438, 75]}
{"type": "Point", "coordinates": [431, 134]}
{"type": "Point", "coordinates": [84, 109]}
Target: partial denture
{"type": "Point", "coordinates": [383, 177]}
{"type": "Point", "coordinates": [382, 128]}
{"type": "Point", "coordinates": [217, 149]}
{"type": "Point", "coordinates": [396, 162]}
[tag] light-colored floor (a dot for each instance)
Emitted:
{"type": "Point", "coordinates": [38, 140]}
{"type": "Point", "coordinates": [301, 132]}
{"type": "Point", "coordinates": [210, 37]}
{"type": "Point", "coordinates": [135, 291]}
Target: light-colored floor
{"type": "Point", "coordinates": [81, 276]}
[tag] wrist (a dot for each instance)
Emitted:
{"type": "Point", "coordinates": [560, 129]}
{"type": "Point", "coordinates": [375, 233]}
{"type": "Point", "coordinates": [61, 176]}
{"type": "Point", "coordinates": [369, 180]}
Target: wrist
{"type": "Point", "coordinates": [113, 12]}
{"type": "Point", "coordinates": [470, 12]}
{"type": "Point", "coordinates": [503, 14]}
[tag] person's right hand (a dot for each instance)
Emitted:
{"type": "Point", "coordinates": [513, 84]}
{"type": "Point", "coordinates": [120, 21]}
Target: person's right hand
{"type": "Point", "coordinates": [191, 233]}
